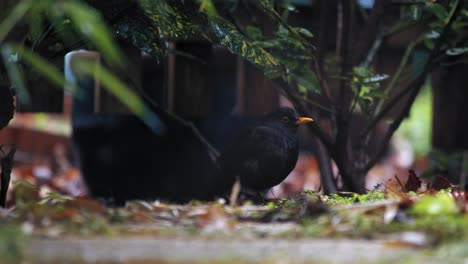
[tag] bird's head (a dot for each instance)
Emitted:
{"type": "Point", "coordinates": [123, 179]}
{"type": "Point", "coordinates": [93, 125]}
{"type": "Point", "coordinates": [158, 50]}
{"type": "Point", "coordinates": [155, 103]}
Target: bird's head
{"type": "Point", "coordinates": [288, 117]}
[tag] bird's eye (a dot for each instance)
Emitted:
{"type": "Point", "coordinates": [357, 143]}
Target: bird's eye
{"type": "Point", "coordinates": [285, 119]}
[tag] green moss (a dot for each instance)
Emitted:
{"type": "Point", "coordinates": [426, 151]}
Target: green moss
{"type": "Point", "coordinates": [336, 199]}
{"type": "Point", "coordinates": [12, 241]}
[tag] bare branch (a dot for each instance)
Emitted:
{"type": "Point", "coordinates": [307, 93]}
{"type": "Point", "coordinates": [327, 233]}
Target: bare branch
{"type": "Point", "coordinates": [298, 104]}
{"type": "Point", "coordinates": [369, 33]}
{"type": "Point", "coordinates": [321, 49]}
{"type": "Point", "coordinates": [373, 51]}
{"type": "Point", "coordinates": [416, 86]}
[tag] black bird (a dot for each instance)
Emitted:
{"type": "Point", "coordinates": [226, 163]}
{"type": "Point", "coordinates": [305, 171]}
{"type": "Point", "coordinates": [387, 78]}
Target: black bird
{"type": "Point", "coordinates": [264, 154]}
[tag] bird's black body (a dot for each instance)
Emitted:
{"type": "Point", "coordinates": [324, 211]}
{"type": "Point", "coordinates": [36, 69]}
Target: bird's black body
{"type": "Point", "coordinates": [264, 154]}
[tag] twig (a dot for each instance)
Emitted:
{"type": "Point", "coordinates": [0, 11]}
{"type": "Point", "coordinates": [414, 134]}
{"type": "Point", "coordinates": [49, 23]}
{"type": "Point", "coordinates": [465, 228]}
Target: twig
{"type": "Point", "coordinates": [344, 97]}
{"type": "Point", "coordinates": [416, 86]}
{"type": "Point", "coordinates": [373, 51]}
{"type": "Point", "coordinates": [188, 56]}
{"type": "Point", "coordinates": [378, 115]}
{"type": "Point", "coordinates": [212, 151]}
{"type": "Point", "coordinates": [328, 182]}
{"type": "Point", "coordinates": [411, 2]}
{"type": "Point", "coordinates": [369, 34]}
{"type": "Point", "coordinates": [396, 76]}
{"type": "Point", "coordinates": [5, 174]}
{"type": "Point", "coordinates": [339, 29]}
{"type": "Point", "coordinates": [327, 141]}
{"type": "Point", "coordinates": [389, 106]}
{"type": "Point", "coordinates": [464, 170]}
{"type": "Point", "coordinates": [254, 19]}
{"type": "Point", "coordinates": [324, 87]}
{"type": "Point", "coordinates": [399, 183]}
{"type": "Point", "coordinates": [318, 105]}
{"type": "Point", "coordinates": [321, 49]}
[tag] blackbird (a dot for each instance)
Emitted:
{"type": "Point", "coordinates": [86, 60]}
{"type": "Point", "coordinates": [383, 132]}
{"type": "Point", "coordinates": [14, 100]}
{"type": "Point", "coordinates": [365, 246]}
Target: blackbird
{"type": "Point", "coordinates": [265, 153]}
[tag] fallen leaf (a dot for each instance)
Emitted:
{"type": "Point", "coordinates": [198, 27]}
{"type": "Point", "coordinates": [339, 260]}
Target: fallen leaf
{"type": "Point", "coordinates": [215, 219]}
{"type": "Point", "coordinates": [413, 183]}
{"type": "Point", "coordinates": [440, 183]}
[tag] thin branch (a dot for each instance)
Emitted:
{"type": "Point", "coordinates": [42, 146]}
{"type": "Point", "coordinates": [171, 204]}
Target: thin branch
{"type": "Point", "coordinates": [322, 48]}
{"type": "Point", "coordinates": [250, 13]}
{"type": "Point", "coordinates": [339, 29]}
{"type": "Point", "coordinates": [344, 97]}
{"type": "Point", "coordinates": [368, 34]}
{"type": "Point", "coordinates": [396, 123]}
{"type": "Point", "coordinates": [396, 76]}
{"type": "Point", "coordinates": [389, 107]}
{"type": "Point", "coordinates": [318, 105]}
{"type": "Point", "coordinates": [411, 2]}
{"type": "Point", "coordinates": [378, 115]}
{"type": "Point", "coordinates": [5, 174]}
{"type": "Point", "coordinates": [324, 87]}
{"type": "Point", "coordinates": [212, 151]}
{"type": "Point", "coordinates": [327, 179]}
{"type": "Point", "coordinates": [373, 51]}
{"type": "Point", "coordinates": [417, 84]}
{"type": "Point", "coordinates": [235, 22]}
{"type": "Point", "coordinates": [188, 55]}
{"type": "Point", "coordinates": [298, 104]}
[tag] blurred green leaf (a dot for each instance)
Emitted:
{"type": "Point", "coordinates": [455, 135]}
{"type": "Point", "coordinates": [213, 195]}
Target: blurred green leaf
{"type": "Point", "coordinates": [439, 11]}
{"type": "Point", "coordinates": [442, 204]}
{"type": "Point", "coordinates": [120, 90]}
{"type": "Point", "coordinates": [305, 32]}
{"type": "Point", "coordinates": [15, 73]}
{"type": "Point", "coordinates": [268, 9]}
{"type": "Point", "coordinates": [14, 17]}
{"type": "Point", "coordinates": [306, 78]}
{"type": "Point", "coordinates": [90, 24]}
{"type": "Point", "coordinates": [456, 51]}
{"type": "Point", "coordinates": [26, 194]}
{"type": "Point", "coordinates": [54, 197]}
{"type": "Point", "coordinates": [12, 242]}
{"type": "Point", "coordinates": [416, 11]}
{"type": "Point", "coordinates": [40, 65]}
{"type": "Point", "coordinates": [208, 7]}
{"type": "Point", "coordinates": [254, 32]}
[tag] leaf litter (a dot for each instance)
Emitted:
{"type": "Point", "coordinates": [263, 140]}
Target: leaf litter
{"type": "Point", "coordinates": [416, 214]}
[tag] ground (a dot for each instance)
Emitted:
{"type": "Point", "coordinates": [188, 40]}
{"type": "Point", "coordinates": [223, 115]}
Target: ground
{"type": "Point", "coordinates": [427, 226]}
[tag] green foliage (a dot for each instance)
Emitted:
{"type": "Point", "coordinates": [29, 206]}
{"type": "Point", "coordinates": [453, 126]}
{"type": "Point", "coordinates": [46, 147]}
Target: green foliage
{"type": "Point", "coordinates": [40, 64]}
{"type": "Point", "coordinates": [12, 242]}
{"type": "Point", "coordinates": [366, 87]}
{"type": "Point", "coordinates": [25, 193]}
{"type": "Point", "coordinates": [90, 25]}
{"type": "Point", "coordinates": [268, 8]}
{"type": "Point", "coordinates": [117, 88]}
{"type": "Point", "coordinates": [14, 16]}
{"type": "Point", "coordinates": [441, 204]}
{"type": "Point", "coordinates": [293, 54]}
{"type": "Point", "coordinates": [228, 36]}
{"type": "Point", "coordinates": [457, 43]}
{"type": "Point", "coordinates": [286, 203]}
{"type": "Point", "coordinates": [335, 198]}
{"type": "Point", "coordinates": [208, 7]}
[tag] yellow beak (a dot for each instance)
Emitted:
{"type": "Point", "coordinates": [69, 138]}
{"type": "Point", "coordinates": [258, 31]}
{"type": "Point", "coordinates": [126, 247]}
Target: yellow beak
{"type": "Point", "coordinates": [303, 120]}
